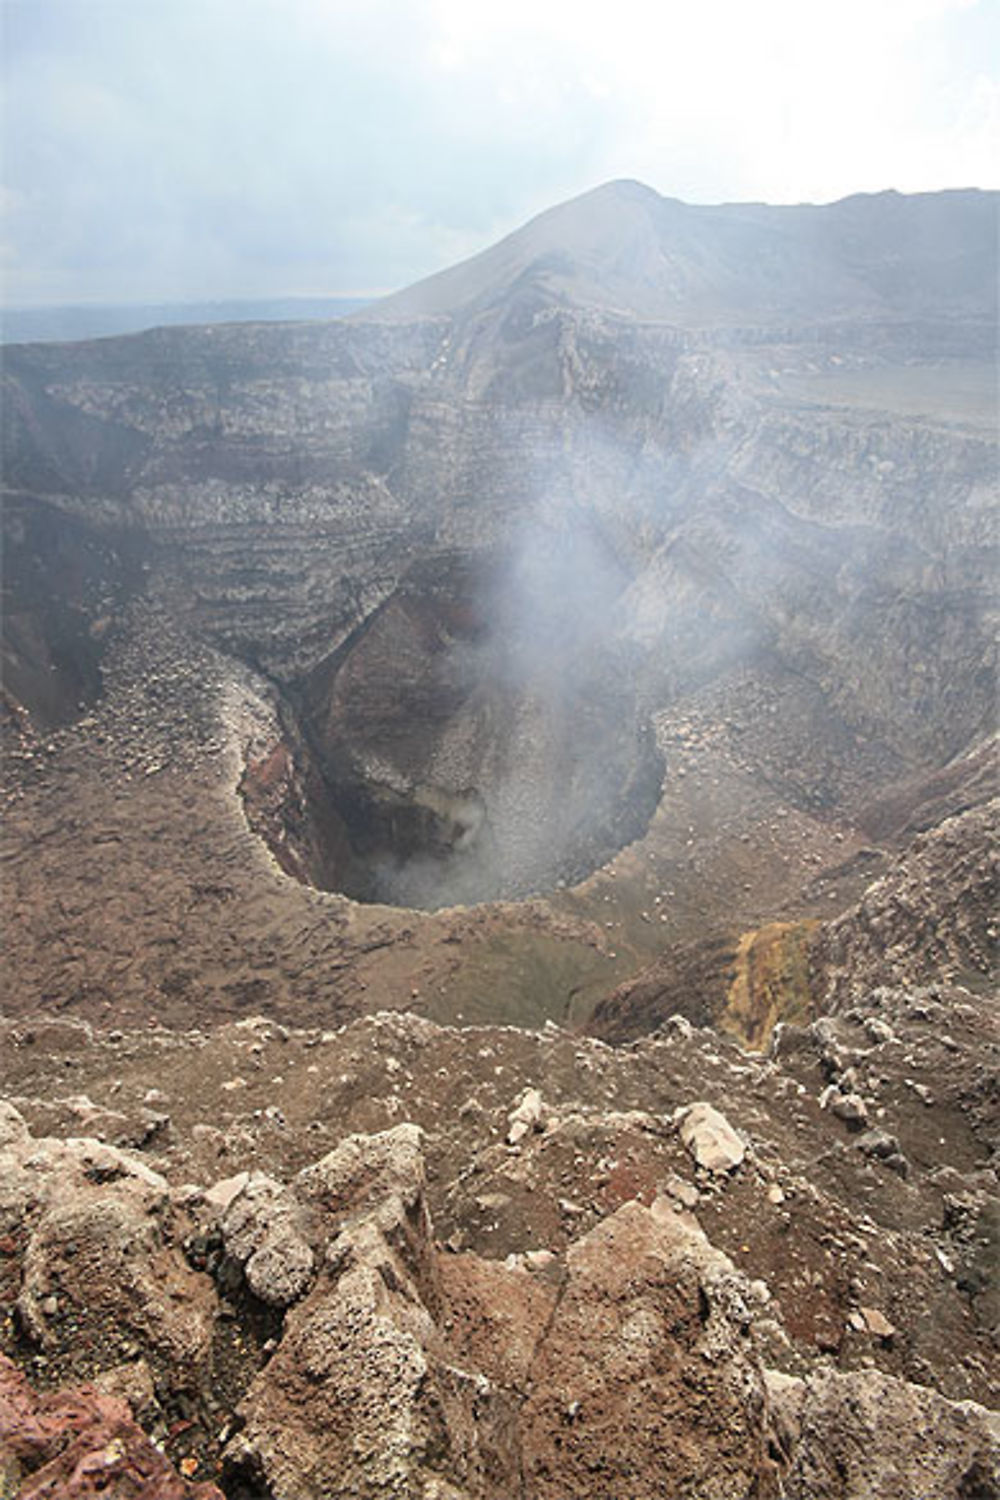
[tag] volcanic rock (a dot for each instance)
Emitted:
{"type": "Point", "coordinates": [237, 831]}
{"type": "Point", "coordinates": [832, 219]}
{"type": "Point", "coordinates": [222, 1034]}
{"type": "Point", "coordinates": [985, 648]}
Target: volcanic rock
{"type": "Point", "coordinates": [850, 1435]}
{"type": "Point", "coordinates": [77, 1443]}
{"type": "Point", "coordinates": [263, 1230]}
{"type": "Point", "coordinates": [98, 1269]}
{"type": "Point", "coordinates": [850, 1108]}
{"type": "Point", "coordinates": [642, 1380]}
{"type": "Point", "coordinates": [361, 1394]}
{"type": "Point", "coordinates": [526, 1116]}
{"type": "Point", "coordinates": [710, 1138]}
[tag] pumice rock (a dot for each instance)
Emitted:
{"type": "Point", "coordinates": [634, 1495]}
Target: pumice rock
{"type": "Point", "coordinates": [13, 1128]}
{"type": "Point", "coordinates": [363, 1393]}
{"type": "Point", "coordinates": [709, 1137]}
{"type": "Point", "coordinates": [263, 1230]}
{"type": "Point", "coordinates": [367, 1383]}
{"type": "Point", "coordinates": [366, 1171]}
{"type": "Point", "coordinates": [529, 1114]}
{"type": "Point", "coordinates": [849, 1435]}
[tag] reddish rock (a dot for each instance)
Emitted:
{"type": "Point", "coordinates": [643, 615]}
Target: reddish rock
{"type": "Point", "coordinates": [643, 1385]}
{"type": "Point", "coordinates": [73, 1443]}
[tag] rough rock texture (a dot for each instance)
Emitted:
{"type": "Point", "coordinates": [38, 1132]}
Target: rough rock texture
{"type": "Point", "coordinates": [262, 1229]}
{"type": "Point", "coordinates": [98, 1266]}
{"type": "Point", "coordinates": [363, 1397]}
{"type": "Point", "coordinates": [643, 1381]}
{"type": "Point", "coordinates": [583, 1308]}
{"type": "Point", "coordinates": [80, 1443]}
{"type": "Point", "coordinates": [933, 915]}
{"type": "Point", "coordinates": [848, 1436]}
{"type": "Point", "coordinates": [637, 1352]}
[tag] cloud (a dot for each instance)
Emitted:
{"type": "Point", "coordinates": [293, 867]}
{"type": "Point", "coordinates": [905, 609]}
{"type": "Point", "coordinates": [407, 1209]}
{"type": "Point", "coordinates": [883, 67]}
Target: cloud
{"type": "Point", "coordinates": [208, 148]}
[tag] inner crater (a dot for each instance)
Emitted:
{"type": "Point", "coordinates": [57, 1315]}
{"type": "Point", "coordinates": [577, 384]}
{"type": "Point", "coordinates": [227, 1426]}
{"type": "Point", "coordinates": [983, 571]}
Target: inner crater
{"type": "Point", "coordinates": [479, 736]}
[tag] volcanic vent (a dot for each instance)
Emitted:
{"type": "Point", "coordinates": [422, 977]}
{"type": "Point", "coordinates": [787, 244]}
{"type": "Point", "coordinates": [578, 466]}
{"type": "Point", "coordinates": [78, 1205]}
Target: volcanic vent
{"type": "Point", "coordinates": [642, 465]}
{"type": "Point", "coordinates": [480, 735]}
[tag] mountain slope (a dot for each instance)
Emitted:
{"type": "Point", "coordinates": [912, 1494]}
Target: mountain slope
{"type": "Point", "coordinates": [624, 248]}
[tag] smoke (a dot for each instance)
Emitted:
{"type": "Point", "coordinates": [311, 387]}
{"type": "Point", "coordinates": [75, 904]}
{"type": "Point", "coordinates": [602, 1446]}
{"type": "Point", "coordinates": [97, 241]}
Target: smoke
{"type": "Point", "coordinates": [547, 766]}
{"type": "Point", "coordinates": [557, 599]}
{"type": "Point", "coordinates": [584, 605]}
{"type": "Point", "coordinates": [638, 559]}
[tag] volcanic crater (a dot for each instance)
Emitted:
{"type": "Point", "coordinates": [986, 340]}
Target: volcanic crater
{"type": "Point", "coordinates": [450, 753]}
{"type": "Point", "coordinates": [475, 739]}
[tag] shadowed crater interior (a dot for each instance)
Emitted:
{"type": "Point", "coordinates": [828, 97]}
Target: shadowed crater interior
{"type": "Point", "coordinates": [481, 735]}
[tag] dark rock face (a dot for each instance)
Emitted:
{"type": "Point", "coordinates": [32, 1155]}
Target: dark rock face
{"type": "Point", "coordinates": [478, 740]}
{"type": "Point", "coordinates": [64, 584]}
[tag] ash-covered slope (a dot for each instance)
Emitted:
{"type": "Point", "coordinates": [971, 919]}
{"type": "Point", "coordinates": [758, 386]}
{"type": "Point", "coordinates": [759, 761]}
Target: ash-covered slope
{"type": "Point", "coordinates": [624, 248]}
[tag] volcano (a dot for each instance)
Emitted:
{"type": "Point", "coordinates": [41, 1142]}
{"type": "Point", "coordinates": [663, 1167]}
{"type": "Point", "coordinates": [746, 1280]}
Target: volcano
{"type": "Point", "coordinates": [561, 676]}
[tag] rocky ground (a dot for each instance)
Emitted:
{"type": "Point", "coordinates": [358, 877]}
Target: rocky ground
{"type": "Point", "coordinates": [398, 1258]}
{"type": "Point", "coordinates": [677, 1178]}
{"type": "Point", "coordinates": [267, 1227]}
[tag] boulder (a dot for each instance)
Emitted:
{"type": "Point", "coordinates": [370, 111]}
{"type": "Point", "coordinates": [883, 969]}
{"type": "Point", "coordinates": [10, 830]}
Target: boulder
{"type": "Point", "coordinates": [80, 1442]}
{"type": "Point", "coordinates": [364, 1171]}
{"type": "Point", "coordinates": [364, 1396]}
{"type": "Point", "coordinates": [100, 1272]}
{"type": "Point", "coordinates": [709, 1137]}
{"type": "Point", "coordinates": [850, 1108]}
{"type": "Point", "coordinates": [527, 1115]}
{"type": "Point", "coordinates": [266, 1230]}
{"type": "Point", "coordinates": [847, 1435]}
{"type": "Point", "coordinates": [644, 1384]}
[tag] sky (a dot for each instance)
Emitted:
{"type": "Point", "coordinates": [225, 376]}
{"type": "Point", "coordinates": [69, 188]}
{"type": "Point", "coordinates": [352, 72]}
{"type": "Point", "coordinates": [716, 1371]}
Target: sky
{"type": "Point", "coordinates": [185, 150]}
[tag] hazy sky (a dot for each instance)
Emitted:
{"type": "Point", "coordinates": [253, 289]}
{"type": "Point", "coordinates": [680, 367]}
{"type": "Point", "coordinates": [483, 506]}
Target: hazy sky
{"type": "Point", "coordinates": [158, 150]}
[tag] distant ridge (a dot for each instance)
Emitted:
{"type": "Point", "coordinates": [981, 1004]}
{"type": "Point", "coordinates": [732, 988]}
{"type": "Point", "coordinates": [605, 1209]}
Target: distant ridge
{"type": "Point", "coordinates": [624, 248]}
{"type": "Point", "coordinates": [68, 324]}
